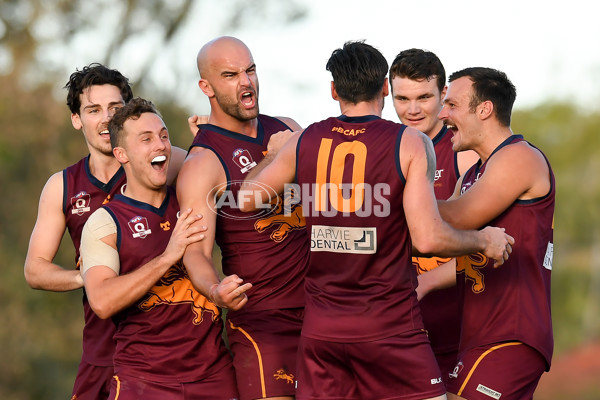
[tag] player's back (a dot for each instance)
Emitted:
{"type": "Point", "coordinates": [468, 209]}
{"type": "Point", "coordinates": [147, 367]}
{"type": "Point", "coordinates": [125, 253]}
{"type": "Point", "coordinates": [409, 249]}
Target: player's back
{"type": "Point", "coordinates": [360, 270]}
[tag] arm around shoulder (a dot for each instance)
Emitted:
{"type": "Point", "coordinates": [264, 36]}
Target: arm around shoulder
{"type": "Point", "coordinates": [515, 172]}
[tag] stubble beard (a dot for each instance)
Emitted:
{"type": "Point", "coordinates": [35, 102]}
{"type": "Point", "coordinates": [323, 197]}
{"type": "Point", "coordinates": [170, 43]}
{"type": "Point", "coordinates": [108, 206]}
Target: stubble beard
{"type": "Point", "coordinates": [232, 108]}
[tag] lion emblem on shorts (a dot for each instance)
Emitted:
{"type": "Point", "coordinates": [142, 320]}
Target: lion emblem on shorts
{"type": "Point", "coordinates": [281, 374]}
{"type": "Point", "coordinates": [471, 265]}
{"type": "Point", "coordinates": [175, 288]}
{"type": "Point", "coordinates": [283, 222]}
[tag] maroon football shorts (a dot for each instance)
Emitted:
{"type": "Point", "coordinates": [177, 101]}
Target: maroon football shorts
{"type": "Point", "coordinates": [398, 367]}
{"type": "Point", "coordinates": [265, 346]}
{"type": "Point", "coordinates": [509, 370]}
{"type": "Point", "coordinates": [446, 362]}
{"type": "Point", "coordinates": [218, 386]}
{"type": "Point", "coordinates": [92, 382]}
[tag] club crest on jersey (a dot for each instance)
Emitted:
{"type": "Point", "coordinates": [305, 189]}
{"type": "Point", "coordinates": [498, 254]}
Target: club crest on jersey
{"type": "Point", "coordinates": [243, 159]}
{"type": "Point", "coordinates": [139, 227]}
{"type": "Point", "coordinates": [80, 203]}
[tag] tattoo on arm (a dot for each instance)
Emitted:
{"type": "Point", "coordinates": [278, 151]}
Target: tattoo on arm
{"type": "Point", "coordinates": [430, 153]}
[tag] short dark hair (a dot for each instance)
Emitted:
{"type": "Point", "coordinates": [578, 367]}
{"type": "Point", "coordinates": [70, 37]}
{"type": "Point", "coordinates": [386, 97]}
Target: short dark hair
{"type": "Point", "coordinates": [359, 71]}
{"type": "Point", "coordinates": [91, 75]}
{"type": "Point", "coordinates": [132, 110]}
{"type": "Point", "coordinates": [490, 85]}
{"type": "Point", "coordinates": [418, 64]}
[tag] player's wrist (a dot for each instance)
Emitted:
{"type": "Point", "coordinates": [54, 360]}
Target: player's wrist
{"type": "Point", "coordinates": [212, 295]}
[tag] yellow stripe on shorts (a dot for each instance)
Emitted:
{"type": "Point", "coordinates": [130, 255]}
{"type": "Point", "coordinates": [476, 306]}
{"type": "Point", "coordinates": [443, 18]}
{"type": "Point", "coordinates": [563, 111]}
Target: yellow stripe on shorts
{"type": "Point", "coordinates": [481, 357]}
{"type": "Point", "coordinates": [258, 355]}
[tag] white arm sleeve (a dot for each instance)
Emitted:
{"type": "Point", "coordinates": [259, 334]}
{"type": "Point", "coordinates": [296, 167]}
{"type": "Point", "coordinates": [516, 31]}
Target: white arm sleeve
{"type": "Point", "coordinates": [93, 250]}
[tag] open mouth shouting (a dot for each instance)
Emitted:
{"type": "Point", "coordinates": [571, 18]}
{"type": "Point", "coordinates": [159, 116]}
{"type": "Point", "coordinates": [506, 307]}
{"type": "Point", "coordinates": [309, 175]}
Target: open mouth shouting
{"type": "Point", "coordinates": [248, 99]}
{"type": "Point", "coordinates": [159, 162]}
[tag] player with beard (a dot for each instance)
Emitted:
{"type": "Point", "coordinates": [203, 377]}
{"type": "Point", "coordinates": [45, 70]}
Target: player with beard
{"type": "Point", "coordinates": [264, 259]}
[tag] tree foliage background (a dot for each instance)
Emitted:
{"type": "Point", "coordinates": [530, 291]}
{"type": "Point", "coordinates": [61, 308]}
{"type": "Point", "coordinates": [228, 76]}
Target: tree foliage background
{"type": "Point", "coordinates": [42, 41]}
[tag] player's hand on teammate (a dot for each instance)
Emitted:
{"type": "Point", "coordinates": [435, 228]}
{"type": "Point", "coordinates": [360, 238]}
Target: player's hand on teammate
{"type": "Point", "coordinates": [277, 141]}
{"type": "Point", "coordinates": [185, 232]}
{"type": "Point", "coordinates": [196, 120]}
{"type": "Point", "coordinates": [230, 292]}
{"type": "Point", "coordinates": [499, 244]}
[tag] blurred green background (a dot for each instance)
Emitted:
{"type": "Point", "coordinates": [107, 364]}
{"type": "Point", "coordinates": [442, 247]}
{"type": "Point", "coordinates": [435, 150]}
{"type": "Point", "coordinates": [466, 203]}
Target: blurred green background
{"type": "Point", "coordinates": [40, 333]}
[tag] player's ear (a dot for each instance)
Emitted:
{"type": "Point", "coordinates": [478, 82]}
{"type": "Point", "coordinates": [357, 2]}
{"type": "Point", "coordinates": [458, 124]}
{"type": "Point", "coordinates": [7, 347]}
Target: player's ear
{"type": "Point", "coordinates": [121, 155]}
{"type": "Point", "coordinates": [334, 92]}
{"type": "Point", "coordinates": [443, 94]}
{"type": "Point", "coordinates": [206, 88]}
{"type": "Point", "coordinates": [485, 109]}
{"type": "Point", "coordinates": [386, 88]}
{"type": "Point", "coordinates": [76, 121]}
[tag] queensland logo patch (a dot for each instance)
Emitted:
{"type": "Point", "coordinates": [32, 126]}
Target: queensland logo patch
{"type": "Point", "coordinates": [80, 203]}
{"type": "Point", "coordinates": [139, 227]}
{"type": "Point", "coordinates": [243, 159]}
{"type": "Point", "coordinates": [457, 370]}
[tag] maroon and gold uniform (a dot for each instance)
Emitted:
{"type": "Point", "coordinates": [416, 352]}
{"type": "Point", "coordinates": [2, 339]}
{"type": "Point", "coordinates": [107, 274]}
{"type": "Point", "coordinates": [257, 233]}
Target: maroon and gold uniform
{"type": "Point", "coordinates": [511, 303]}
{"type": "Point", "coordinates": [269, 250]}
{"type": "Point", "coordinates": [360, 285]}
{"type": "Point", "coordinates": [82, 195]}
{"type": "Point", "coordinates": [173, 334]}
{"type": "Point", "coordinates": [441, 309]}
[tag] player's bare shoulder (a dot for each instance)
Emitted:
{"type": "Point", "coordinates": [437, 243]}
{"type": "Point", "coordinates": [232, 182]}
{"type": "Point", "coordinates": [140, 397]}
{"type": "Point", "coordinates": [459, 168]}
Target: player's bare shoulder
{"type": "Point", "coordinates": [415, 145]}
{"type": "Point", "coordinates": [290, 122]}
{"type": "Point", "coordinates": [526, 166]}
{"type": "Point", "coordinates": [201, 171]}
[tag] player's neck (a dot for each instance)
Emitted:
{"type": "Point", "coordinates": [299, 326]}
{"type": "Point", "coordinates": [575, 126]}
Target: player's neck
{"type": "Point", "coordinates": [494, 137]}
{"type": "Point", "coordinates": [103, 166]}
{"type": "Point", "coordinates": [153, 196]}
{"type": "Point", "coordinates": [360, 109]}
{"type": "Point", "coordinates": [226, 121]}
{"type": "Point", "coordinates": [435, 130]}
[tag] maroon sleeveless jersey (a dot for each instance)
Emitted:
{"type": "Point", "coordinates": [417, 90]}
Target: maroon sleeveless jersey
{"type": "Point", "coordinates": [173, 333]}
{"type": "Point", "coordinates": [82, 195]}
{"type": "Point", "coordinates": [360, 282]}
{"type": "Point", "coordinates": [267, 249]}
{"type": "Point", "coordinates": [511, 302]}
{"type": "Point", "coordinates": [441, 309]}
